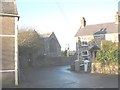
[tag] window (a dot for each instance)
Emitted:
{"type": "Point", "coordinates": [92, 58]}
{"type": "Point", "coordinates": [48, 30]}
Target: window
{"type": "Point", "coordinates": [85, 58]}
{"type": "Point", "coordinates": [85, 53]}
{"type": "Point", "coordinates": [84, 43]}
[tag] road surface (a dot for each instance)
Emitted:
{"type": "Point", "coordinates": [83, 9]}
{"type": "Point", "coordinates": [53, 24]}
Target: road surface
{"type": "Point", "coordinates": [62, 77]}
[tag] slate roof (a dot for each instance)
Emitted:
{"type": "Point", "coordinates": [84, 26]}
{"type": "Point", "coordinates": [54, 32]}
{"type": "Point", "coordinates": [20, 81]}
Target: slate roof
{"type": "Point", "coordinates": [8, 7]}
{"type": "Point", "coordinates": [94, 47]}
{"type": "Point", "coordinates": [46, 35]}
{"type": "Point", "coordinates": [104, 28]}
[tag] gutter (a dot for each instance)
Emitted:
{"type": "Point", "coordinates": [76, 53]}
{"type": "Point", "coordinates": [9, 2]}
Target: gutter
{"type": "Point", "coordinates": [11, 15]}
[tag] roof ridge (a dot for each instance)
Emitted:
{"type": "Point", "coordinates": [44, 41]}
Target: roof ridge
{"type": "Point", "coordinates": [100, 23]}
{"type": "Point", "coordinates": [47, 34]}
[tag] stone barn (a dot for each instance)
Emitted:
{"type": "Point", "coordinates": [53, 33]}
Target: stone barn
{"type": "Point", "coordinates": [52, 46]}
{"type": "Point", "coordinates": [8, 43]}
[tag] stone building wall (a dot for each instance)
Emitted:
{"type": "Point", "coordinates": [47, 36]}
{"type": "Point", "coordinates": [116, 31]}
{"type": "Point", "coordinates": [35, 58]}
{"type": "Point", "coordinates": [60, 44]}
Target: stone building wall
{"type": "Point", "coordinates": [8, 25]}
{"type": "Point", "coordinates": [112, 37]}
{"type": "Point", "coordinates": [82, 48]}
{"type": "Point", "coordinates": [52, 47]}
{"type": "Point", "coordinates": [8, 50]}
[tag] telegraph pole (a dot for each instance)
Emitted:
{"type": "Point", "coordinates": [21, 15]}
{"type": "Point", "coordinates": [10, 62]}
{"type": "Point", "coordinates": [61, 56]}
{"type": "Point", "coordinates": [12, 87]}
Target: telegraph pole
{"type": "Point", "coordinates": [67, 48]}
{"type": "Point", "coordinates": [78, 50]}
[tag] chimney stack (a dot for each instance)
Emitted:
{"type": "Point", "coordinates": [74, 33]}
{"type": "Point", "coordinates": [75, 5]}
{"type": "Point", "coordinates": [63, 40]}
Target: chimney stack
{"type": "Point", "coordinates": [83, 22]}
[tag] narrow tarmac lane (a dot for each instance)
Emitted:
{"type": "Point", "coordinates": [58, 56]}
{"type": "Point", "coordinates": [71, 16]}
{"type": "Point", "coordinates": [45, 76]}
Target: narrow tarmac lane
{"type": "Point", "coordinates": [61, 77]}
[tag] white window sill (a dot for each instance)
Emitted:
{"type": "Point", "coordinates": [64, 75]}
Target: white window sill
{"type": "Point", "coordinates": [84, 45]}
{"type": "Point", "coordinates": [84, 55]}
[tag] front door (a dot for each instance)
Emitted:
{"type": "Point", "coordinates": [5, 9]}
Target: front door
{"type": "Point", "coordinates": [93, 55]}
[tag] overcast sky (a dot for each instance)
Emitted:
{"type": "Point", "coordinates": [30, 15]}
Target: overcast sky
{"type": "Point", "coordinates": [63, 17]}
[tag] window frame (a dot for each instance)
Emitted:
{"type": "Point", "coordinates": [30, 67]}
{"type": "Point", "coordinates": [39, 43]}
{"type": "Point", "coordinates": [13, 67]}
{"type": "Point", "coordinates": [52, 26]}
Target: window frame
{"type": "Point", "coordinates": [85, 40]}
{"type": "Point", "coordinates": [85, 51]}
{"type": "Point", "coordinates": [84, 43]}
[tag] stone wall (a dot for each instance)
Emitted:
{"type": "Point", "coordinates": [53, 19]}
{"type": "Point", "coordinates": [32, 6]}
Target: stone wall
{"type": "Point", "coordinates": [98, 68]}
{"type": "Point", "coordinates": [53, 61]}
{"type": "Point", "coordinates": [44, 61]}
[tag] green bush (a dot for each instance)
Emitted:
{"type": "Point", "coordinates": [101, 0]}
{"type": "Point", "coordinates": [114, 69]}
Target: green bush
{"type": "Point", "coordinates": [109, 54]}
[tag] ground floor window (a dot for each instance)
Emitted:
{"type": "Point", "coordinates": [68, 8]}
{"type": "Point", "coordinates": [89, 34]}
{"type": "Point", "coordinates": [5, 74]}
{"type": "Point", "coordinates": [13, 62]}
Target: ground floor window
{"type": "Point", "coordinates": [85, 53]}
{"type": "Point", "coordinates": [85, 57]}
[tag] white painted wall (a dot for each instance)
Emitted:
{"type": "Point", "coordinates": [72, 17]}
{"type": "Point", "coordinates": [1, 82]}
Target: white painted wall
{"type": "Point", "coordinates": [112, 37]}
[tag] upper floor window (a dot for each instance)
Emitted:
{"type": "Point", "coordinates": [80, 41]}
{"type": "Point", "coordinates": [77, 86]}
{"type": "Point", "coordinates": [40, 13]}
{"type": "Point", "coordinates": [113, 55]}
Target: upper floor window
{"type": "Point", "coordinates": [84, 43]}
